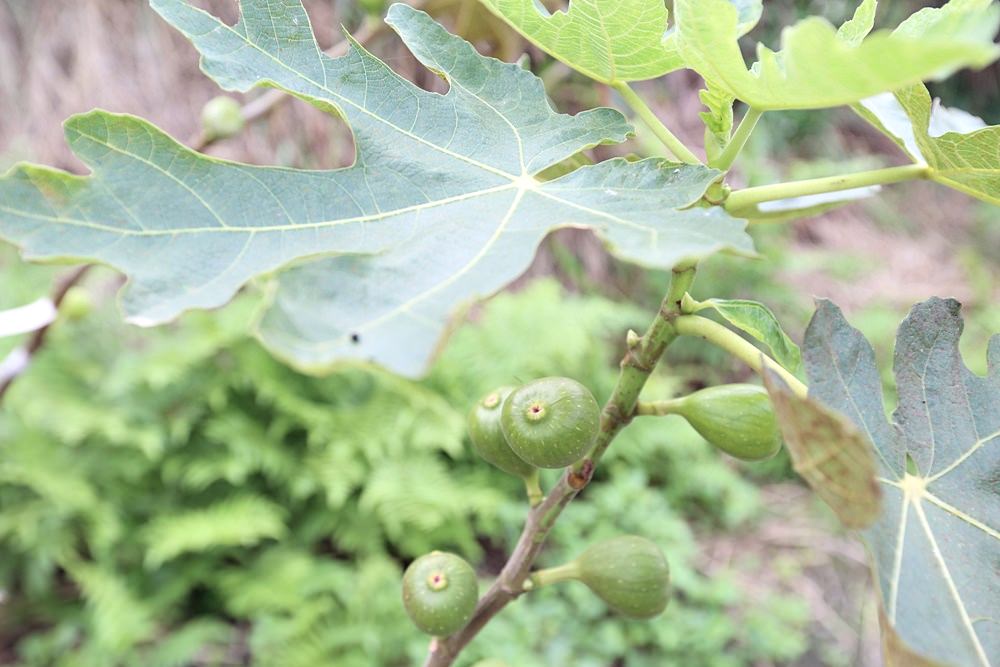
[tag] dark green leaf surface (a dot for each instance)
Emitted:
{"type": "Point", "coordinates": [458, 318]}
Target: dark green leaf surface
{"type": "Point", "coordinates": [441, 206]}
{"type": "Point", "coordinates": [936, 545]}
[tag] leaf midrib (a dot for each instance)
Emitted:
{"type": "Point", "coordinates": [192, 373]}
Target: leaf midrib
{"type": "Point", "coordinates": [914, 500]}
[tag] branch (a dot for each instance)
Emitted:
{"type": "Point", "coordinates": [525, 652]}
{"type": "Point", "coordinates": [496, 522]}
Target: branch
{"type": "Point", "coordinates": [37, 340]}
{"type": "Point", "coordinates": [637, 365]}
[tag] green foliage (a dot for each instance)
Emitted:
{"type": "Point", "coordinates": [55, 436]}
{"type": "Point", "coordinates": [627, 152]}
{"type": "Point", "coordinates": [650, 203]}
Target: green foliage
{"type": "Point", "coordinates": [608, 40]}
{"type": "Point", "coordinates": [138, 528]}
{"type": "Point", "coordinates": [441, 206]}
{"type": "Point", "coordinates": [959, 149]}
{"type": "Point", "coordinates": [820, 67]}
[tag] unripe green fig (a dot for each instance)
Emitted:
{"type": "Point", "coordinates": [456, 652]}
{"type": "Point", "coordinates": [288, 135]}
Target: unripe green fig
{"type": "Point", "coordinates": [551, 422]}
{"type": "Point", "coordinates": [736, 418]}
{"type": "Point", "coordinates": [222, 118]}
{"type": "Point", "coordinates": [628, 572]}
{"type": "Point", "coordinates": [76, 303]}
{"type": "Point", "coordinates": [440, 591]}
{"type": "Point", "coordinates": [487, 436]}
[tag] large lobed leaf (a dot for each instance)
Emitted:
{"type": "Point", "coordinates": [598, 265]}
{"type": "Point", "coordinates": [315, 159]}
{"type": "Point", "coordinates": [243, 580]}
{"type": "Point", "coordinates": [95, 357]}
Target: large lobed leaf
{"type": "Point", "coordinates": [935, 547]}
{"type": "Point", "coordinates": [819, 66]}
{"type": "Point", "coordinates": [608, 40]}
{"type": "Point", "coordinates": [441, 206]}
{"type": "Point", "coordinates": [960, 150]}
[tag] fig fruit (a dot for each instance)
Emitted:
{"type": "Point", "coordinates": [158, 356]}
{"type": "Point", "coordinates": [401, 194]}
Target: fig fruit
{"type": "Point", "coordinates": [76, 303]}
{"type": "Point", "coordinates": [736, 418]}
{"type": "Point", "coordinates": [440, 591]}
{"type": "Point", "coordinates": [221, 118]}
{"type": "Point", "coordinates": [630, 573]}
{"type": "Point", "coordinates": [488, 439]}
{"type": "Point", "coordinates": [551, 422]}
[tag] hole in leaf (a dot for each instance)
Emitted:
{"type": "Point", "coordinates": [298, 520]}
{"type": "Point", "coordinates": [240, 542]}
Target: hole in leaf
{"type": "Point", "coordinates": [911, 466]}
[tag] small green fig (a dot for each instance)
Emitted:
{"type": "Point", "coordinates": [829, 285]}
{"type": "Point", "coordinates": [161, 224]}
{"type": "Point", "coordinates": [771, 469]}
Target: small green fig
{"type": "Point", "coordinates": [76, 303]}
{"type": "Point", "coordinates": [736, 418]}
{"type": "Point", "coordinates": [487, 436]}
{"type": "Point", "coordinates": [440, 591]}
{"type": "Point", "coordinates": [222, 118]}
{"type": "Point", "coordinates": [628, 572]}
{"type": "Point", "coordinates": [551, 422]}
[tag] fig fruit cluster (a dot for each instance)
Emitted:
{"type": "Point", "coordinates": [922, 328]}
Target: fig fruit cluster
{"type": "Point", "coordinates": [548, 423]}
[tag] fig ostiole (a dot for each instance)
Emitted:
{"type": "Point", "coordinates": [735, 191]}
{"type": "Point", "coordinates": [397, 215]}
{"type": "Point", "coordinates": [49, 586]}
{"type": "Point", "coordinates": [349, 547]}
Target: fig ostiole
{"type": "Point", "coordinates": [551, 422]}
{"type": "Point", "coordinates": [736, 418]}
{"type": "Point", "coordinates": [629, 573]}
{"type": "Point", "coordinates": [440, 591]}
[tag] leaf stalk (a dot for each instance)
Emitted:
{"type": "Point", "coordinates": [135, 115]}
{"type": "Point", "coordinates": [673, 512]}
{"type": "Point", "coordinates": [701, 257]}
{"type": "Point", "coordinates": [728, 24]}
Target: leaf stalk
{"type": "Point", "coordinates": [738, 140]}
{"type": "Point", "coordinates": [668, 138]}
{"type": "Point", "coordinates": [736, 345]}
{"type": "Point", "coordinates": [749, 197]}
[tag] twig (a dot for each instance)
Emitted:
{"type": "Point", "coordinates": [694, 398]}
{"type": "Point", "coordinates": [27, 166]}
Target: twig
{"type": "Point", "coordinates": [37, 340]}
{"type": "Point", "coordinates": [638, 363]}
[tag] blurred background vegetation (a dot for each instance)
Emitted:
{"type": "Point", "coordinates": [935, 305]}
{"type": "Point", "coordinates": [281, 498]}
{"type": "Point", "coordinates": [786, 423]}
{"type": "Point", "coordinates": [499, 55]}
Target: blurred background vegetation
{"type": "Point", "coordinates": [176, 497]}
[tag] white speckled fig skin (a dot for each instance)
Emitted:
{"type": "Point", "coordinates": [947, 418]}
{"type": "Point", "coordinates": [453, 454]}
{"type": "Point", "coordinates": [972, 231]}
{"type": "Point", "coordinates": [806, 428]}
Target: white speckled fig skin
{"type": "Point", "coordinates": [736, 418]}
{"type": "Point", "coordinates": [440, 591]}
{"type": "Point", "coordinates": [629, 573]}
{"type": "Point", "coordinates": [551, 422]}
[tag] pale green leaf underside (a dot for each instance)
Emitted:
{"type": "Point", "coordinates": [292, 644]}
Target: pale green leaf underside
{"type": "Point", "coordinates": [818, 68]}
{"type": "Point", "coordinates": [608, 40]}
{"type": "Point", "coordinates": [451, 175]}
{"type": "Point", "coordinates": [960, 149]}
{"type": "Point", "coordinates": [396, 306]}
{"type": "Point", "coordinates": [936, 544]}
